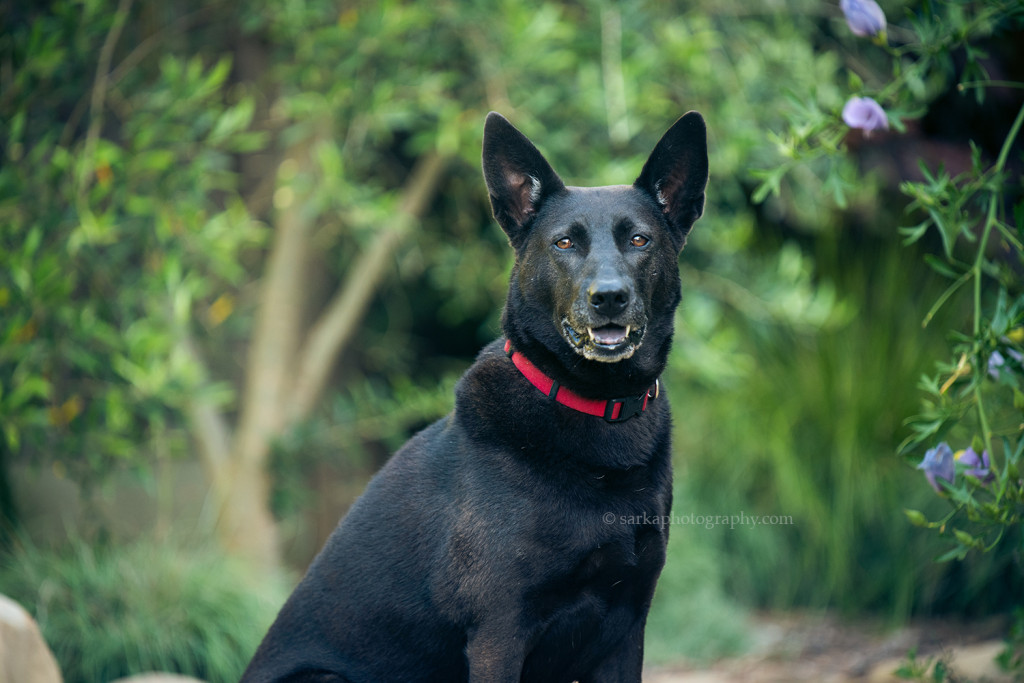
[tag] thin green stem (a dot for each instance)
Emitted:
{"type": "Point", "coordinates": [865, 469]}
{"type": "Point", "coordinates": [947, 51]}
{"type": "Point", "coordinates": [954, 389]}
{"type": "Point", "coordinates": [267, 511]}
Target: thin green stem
{"type": "Point", "coordinates": [960, 282]}
{"type": "Point", "coordinates": [977, 271]}
{"type": "Point", "coordinates": [989, 84]}
{"type": "Point", "coordinates": [979, 260]}
{"type": "Point", "coordinates": [994, 543]}
{"type": "Point", "coordinates": [1008, 143]}
{"type": "Point", "coordinates": [976, 27]}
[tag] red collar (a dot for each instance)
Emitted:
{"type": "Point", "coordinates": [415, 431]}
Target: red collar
{"type": "Point", "coordinates": [612, 410]}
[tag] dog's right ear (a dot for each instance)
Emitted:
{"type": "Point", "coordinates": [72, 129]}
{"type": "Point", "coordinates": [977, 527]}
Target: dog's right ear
{"type": "Point", "coordinates": [518, 176]}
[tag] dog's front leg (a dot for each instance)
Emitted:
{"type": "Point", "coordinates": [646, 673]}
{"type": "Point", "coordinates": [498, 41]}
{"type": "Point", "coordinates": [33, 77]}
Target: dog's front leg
{"type": "Point", "coordinates": [624, 664]}
{"type": "Point", "coordinates": [495, 652]}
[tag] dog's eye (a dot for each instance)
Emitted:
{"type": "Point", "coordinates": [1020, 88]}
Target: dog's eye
{"type": "Point", "coordinates": [639, 241]}
{"type": "Point", "coordinates": [564, 243]}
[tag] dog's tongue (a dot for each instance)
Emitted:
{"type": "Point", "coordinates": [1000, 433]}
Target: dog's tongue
{"type": "Point", "coordinates": [609, 335]}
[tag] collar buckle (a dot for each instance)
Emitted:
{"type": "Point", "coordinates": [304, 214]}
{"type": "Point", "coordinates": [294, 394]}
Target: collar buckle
{"type": "Point", "coordinates": [621, 409]}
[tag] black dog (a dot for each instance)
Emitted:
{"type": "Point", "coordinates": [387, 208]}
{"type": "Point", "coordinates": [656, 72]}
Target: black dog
{"type": "Point", "coordinates": [520, 537]}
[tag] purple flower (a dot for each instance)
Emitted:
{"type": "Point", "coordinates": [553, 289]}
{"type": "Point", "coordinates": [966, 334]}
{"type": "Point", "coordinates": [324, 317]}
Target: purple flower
{"type": "Point", "coordinates": [997, 361]}
{"type": "Point", "coordinates": [866, 114]}
{"type": "Point", "coordinates": [864, 17]}
{"type": "Point", "coordinates": [938, 464]}
{"type": "Point", "coordinates": [975, 465]}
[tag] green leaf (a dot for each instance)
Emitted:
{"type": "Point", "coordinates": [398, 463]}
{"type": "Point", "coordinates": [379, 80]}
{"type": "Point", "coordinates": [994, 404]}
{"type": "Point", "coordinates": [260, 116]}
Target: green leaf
{"type": "Point", "coordinates": [1001, 320]}
{"type": "Point", "coordinates": [13, 436]}
{"type": "Point", "coordinates": [233, 120]}
{"type": "Point", "coordinates": [914, 233]}
{"type": "Point", "coordinates": [155, 160]}
{"type": "Point", "coordinates": [957, 553]}
{"type": "Point", "coordinates": [32, 388]}
{"type": "Point", "coordinates": [329, 157]}
{"type": "Point", "coordinates": [770, 185]}
{"type": "Point", "coordinates": [941, 266]}
{"type": "Point", "coordinates": [218, 74]}
{"type": "Point", "coordinates": [948, 231]}
{"type": "Point", "coordinates": [32, 240]}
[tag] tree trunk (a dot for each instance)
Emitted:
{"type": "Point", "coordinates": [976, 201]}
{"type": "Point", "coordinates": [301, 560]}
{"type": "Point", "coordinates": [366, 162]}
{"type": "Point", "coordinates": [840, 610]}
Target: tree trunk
{"type": "Point", "coordinates": [332, 332]}
{"type": "Point", "coordinates": [286, 378]}
{"type": "Point", "coordinates": [246, 526]}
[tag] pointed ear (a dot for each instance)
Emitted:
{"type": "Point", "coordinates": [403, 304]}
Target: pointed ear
{"type": "Point", "coordinates": [676, 174]}
{"type": "Point", "coordinates": [518, 177]}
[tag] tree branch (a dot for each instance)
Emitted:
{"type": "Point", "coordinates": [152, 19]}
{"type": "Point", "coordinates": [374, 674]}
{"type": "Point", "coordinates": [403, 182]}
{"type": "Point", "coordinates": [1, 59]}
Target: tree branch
{"type": "Point", "coordinates": [211, 433]}
{"type": "Point", "coordinates": [99, 94]}
{"type": "Point", "coordinates": [138, 53]}
{"type": "Point", "coordinates": [276, 331]}
{"type": "Point", "coordinates": [209, 428]}
{"type": "Point", "coordinates": [336, 326]}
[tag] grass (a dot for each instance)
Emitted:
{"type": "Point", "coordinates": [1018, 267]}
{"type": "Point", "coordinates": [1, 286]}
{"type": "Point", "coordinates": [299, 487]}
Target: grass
{"type": "Point", "coordinates": [120, 610]}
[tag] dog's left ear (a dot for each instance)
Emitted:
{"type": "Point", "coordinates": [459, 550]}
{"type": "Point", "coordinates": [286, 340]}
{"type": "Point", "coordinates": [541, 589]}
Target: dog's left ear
{"type": "Point", "coordinates": [676, 174]}
{"type": "Point", "coordinates": [518, 176]}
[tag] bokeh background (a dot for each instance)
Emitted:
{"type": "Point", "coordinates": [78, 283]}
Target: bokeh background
{"type": "Point", "coordinates": [246, 250]}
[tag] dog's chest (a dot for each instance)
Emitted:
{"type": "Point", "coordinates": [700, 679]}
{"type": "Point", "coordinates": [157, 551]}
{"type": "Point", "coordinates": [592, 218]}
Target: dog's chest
{"type": "Point", "coordinates": [585, 612]}
{"type": "Point", "coordinates": [548, 546]}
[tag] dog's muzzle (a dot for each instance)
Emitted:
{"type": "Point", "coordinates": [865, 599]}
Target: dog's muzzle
{"type": "Point", "coordinates": [608, 343]}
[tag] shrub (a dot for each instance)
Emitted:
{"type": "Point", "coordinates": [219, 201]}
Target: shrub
{"type": "Point", "coordinates": [119, 610]}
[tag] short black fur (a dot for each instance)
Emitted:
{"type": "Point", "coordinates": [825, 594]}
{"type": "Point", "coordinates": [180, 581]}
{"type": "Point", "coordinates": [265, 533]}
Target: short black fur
{"type": "Point", "coordinates": [517, 539]}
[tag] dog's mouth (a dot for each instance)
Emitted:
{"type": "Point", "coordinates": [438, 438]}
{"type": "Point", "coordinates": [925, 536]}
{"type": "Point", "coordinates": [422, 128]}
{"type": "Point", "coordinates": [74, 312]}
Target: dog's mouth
{"type": "Point", "coordinates": [609, 335]}
{"type": "Point", "coordinates": [608, 343]}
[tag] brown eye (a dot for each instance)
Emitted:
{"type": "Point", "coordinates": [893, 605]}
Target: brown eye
{"type": "Point", "coordinates": [639, 241]}
{"type": "Point", "coordinates": [564, 243]}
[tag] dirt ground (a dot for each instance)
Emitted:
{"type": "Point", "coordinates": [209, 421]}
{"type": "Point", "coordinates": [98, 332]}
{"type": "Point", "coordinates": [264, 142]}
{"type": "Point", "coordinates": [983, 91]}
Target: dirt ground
{"type": "Point", "coordinates": [824, 649]}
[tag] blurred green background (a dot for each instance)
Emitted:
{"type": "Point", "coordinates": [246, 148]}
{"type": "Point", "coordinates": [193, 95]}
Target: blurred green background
{"type": "Point", "coordinates": [246, 250]}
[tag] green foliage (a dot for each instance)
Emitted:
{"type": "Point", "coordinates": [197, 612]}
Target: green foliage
{"type": "Point", "coordinates": [372, 421]}
{"type": "Point", "coordinates": [111, 242]}
{"type": "Point", "coordinates": [976, 399]}
{"type": "Point", "coordinates": [109, 612]}
{"type": "Point", "coordinates": [1012, 658]}
{"type": "Point", "coordinates": [980, 397]}
{"type": "Point", "coordinates": [907, 78]}
{"type": "Point", "coordinates": [942, 668]}
{"type": "Point", "coordinates": [927, 669]}
{"type": "Point", "coordinates": [804, 427]}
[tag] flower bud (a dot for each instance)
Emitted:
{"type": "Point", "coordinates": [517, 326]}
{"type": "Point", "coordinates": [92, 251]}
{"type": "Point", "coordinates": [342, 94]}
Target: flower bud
{"type": "Point", "coordinates": [866, 114]}
{"type": "Point", "coordinates": [864, 17]}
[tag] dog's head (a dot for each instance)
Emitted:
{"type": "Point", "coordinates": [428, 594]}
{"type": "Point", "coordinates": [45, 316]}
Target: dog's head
{"type": "Point", "coordinates": [596, 267]}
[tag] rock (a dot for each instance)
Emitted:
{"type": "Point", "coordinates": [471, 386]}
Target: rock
{"type": "Point", "coordinates": [24, 655]}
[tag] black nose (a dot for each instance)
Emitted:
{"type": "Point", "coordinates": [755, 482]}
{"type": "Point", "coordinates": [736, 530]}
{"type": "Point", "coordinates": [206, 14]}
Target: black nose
{"type": "Point", "coordinates": [609, 298]}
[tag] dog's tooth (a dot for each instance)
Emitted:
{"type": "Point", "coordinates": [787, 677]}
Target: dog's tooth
{"type": "Point", "coordinates": [590, 331]}
{"type": "Point", "coordinates": [627, 330]}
